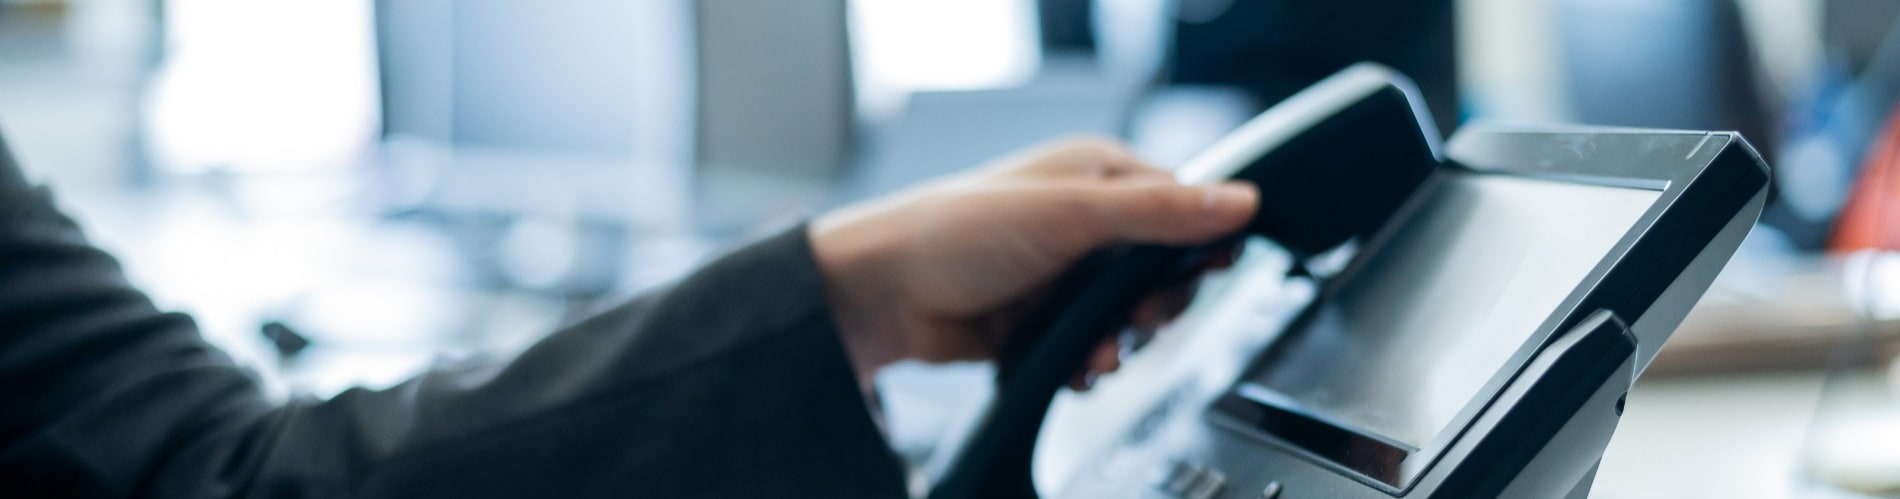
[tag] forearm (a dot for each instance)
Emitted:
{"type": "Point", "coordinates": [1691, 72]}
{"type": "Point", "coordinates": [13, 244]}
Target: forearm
{"type": "Point", "coordinates": [735, 372]}
{"type": "Point", "coordinates": [102, 391]}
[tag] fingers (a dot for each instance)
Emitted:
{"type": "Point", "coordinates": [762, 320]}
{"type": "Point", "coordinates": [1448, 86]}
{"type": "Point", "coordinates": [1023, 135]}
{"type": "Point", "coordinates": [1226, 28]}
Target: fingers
{"type": "Point", "coordinates": [1106, 358]}
{"type": "Point", "coordinates": [1149, 316]}
{"type": "Point", "coordinates": [1168, 213]}
{"type": "Point", "coordinates": [1223, 257]}
{"type": "Point", "coordinates": [1091, 158]}
{"type": "Point", "coordinates": [1130, 200]}
{"type": "Point", "coordinates": [1157, 309]}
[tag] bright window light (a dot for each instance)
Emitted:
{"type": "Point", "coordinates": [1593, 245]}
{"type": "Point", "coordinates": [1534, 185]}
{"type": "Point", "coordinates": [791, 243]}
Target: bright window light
{"type": "Point", "coordinates": [274, 85]}
{"type": "Point", "coordinates": [904, 46]}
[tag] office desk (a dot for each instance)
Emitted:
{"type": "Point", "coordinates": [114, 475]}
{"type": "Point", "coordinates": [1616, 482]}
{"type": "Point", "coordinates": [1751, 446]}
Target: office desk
{"type": "Point", "coordinates": [1718, 436]}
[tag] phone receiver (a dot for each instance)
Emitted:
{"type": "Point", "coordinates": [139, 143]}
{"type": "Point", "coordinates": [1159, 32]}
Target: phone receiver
{"type": "Point", "coordinates": [1332, 162]}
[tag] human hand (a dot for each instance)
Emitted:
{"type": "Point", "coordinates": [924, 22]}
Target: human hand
{"type": "Point", "coordinates": [943, 271]}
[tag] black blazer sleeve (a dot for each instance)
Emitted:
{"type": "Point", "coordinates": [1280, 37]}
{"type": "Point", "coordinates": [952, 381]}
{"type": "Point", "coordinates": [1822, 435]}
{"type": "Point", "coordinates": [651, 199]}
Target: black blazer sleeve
{"type": "Point", "coordinates": [730, 383]}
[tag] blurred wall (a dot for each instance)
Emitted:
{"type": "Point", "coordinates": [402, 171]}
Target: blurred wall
{"type": "Point", "coordinates": [546, 74]}
{"type": "Point", "coordinates": [774, 85]}
{"type": "Point", "coordinates": [417, 78]}
{"type": "Point", "coordinates": [576, 76]}
{"type": "Point", "coordinates": [774, 111]}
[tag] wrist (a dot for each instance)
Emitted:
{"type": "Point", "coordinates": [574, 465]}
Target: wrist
{"type": "Point", "coordinates": [855, 262]}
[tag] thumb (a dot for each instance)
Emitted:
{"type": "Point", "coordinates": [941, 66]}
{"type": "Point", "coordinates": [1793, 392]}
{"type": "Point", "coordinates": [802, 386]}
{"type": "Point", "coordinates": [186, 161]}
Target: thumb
{"type": "Point", "coordinates": [1170, 213]}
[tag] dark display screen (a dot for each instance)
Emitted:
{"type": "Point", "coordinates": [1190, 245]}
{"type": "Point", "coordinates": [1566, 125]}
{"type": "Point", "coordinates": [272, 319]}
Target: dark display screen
{"type": "Point", "coordinates": [1409, 336]}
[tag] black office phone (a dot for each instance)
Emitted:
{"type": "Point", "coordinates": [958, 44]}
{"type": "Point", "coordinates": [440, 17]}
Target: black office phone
{"type": "Point", "coordinates": [1642, 221]}
{"type": "Point", "coordinates": [1331, 163]}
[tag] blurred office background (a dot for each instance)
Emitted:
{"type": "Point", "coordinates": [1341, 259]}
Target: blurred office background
{"type": "Point", "coordinates": [343, 191]}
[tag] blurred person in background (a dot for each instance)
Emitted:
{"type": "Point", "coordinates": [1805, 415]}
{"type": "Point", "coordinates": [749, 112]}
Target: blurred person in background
{"type": "Point", "coordinates": [748, 378]}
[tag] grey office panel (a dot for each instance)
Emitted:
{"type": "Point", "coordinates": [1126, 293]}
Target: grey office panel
{"type": "Point", "coordinates": [774, 106]}
{"type": "Point", "coordinates": [774, 85]}
{"type": "Point", "coordinates": [546, 75]}
{"type": "Point", "coordinates": [413, 40]}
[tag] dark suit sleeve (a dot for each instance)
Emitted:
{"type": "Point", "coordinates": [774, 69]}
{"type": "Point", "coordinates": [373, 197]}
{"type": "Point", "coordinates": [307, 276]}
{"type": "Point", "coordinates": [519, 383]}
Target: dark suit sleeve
{"type": "Point", "coordinates": [730, 383]}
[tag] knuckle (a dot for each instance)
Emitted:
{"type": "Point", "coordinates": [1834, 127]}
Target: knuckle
{"type": "Point", "coordinates": [1099, 149]}
{"type": "Point", "coordinates": [1171, 200]}
{"type": "Point", "coordinates": [1092, 142]}
{"type": "Point", "coordinates": [1082, 203]}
